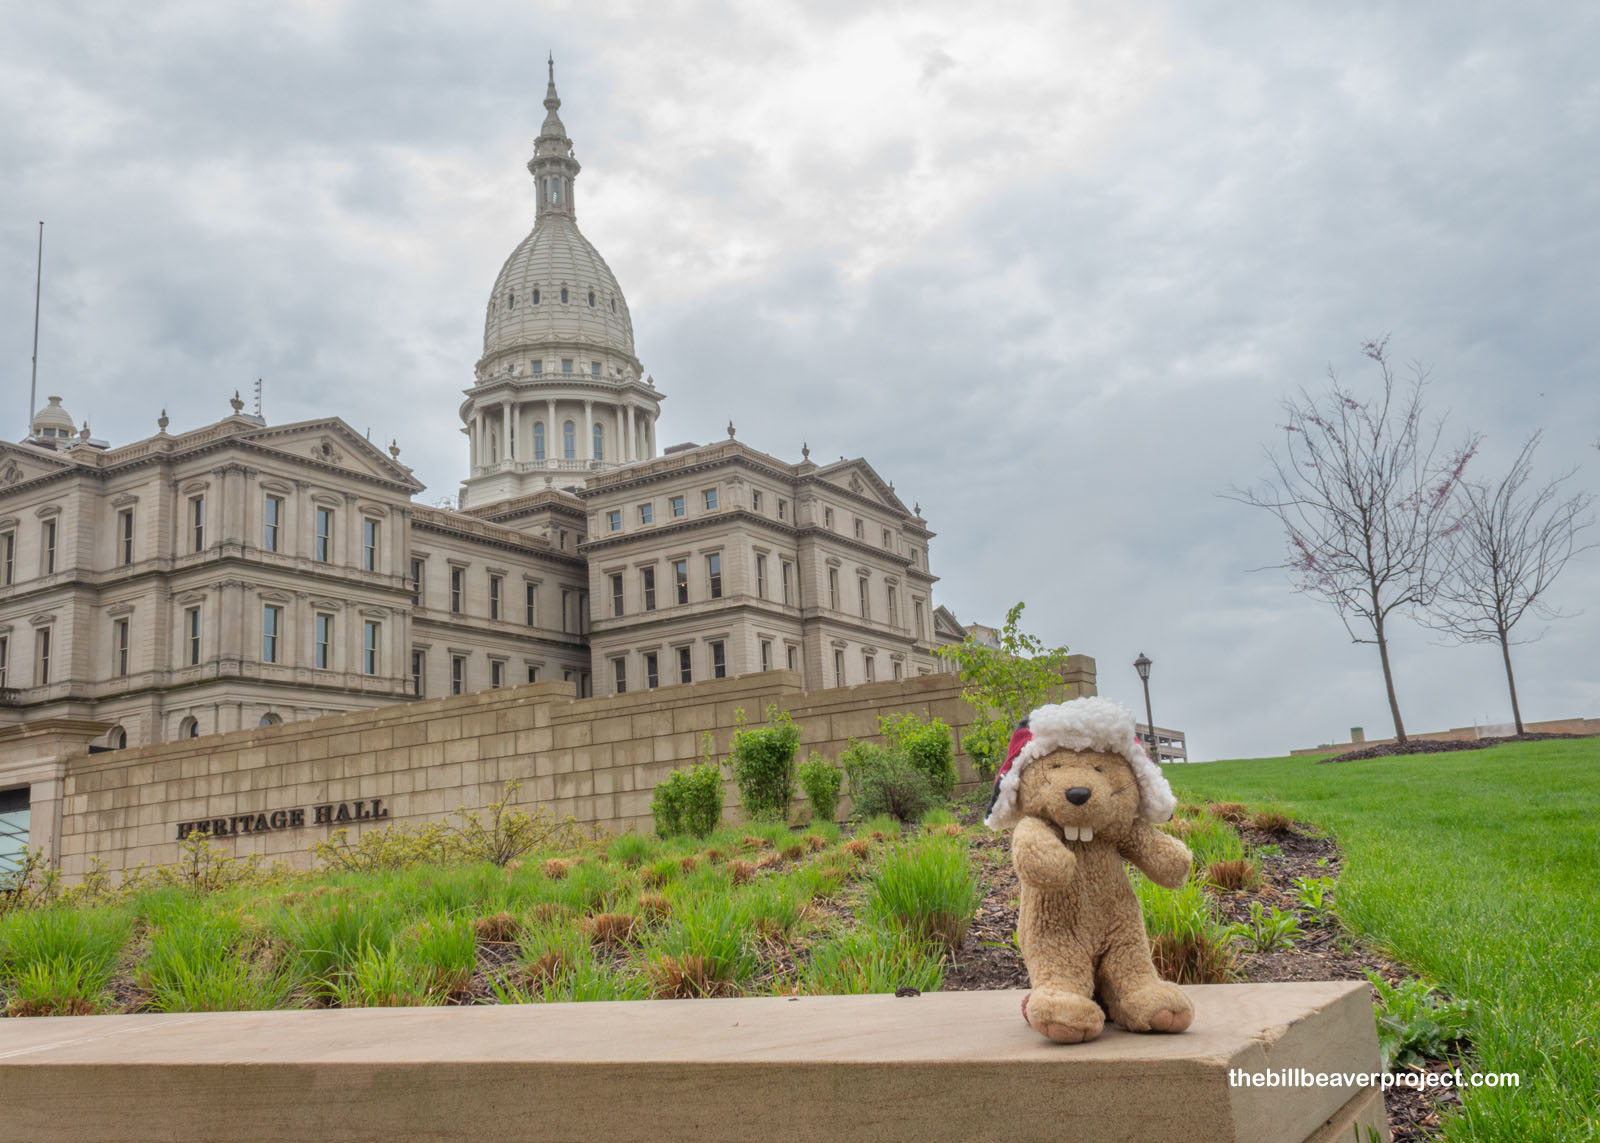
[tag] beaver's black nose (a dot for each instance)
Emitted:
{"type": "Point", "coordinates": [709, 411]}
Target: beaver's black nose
{"type": "Point", "coordinates": [1078, 795]}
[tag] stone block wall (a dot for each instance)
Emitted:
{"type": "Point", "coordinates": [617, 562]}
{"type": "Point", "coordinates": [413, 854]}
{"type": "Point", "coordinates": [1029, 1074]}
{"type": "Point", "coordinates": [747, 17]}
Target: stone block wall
{"type": "Point", "coordinates": [274, 790]}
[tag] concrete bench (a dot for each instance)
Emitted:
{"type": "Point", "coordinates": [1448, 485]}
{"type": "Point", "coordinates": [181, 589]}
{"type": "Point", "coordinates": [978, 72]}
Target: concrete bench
{"type": "Point", "coordinates": [953, 1065]}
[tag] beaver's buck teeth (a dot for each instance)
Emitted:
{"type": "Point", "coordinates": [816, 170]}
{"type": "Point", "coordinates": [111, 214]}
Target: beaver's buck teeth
{"type": "Point", "coordinates": [1086, 834]}
{"type": "Point", "coordinates": [1070, 832]}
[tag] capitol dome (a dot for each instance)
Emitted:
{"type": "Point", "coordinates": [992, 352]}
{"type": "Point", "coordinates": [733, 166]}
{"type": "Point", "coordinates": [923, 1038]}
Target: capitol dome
{"type": "Point", "coordinates": [558, 394]}
{"type": "Point", "coordinates": [556, 290]}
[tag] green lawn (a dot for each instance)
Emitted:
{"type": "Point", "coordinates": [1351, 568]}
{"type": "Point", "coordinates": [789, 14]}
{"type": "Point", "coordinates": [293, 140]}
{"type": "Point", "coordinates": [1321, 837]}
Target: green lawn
{"type": "Point", "coordinates": [1481, 870]}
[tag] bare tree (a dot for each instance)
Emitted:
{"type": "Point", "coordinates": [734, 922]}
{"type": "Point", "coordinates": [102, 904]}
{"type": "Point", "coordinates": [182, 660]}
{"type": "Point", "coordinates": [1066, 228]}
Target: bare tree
{"type": "Point", "coordinates": [1363, 491]}
{"type": "Point", "coordinates": [1508, 548]}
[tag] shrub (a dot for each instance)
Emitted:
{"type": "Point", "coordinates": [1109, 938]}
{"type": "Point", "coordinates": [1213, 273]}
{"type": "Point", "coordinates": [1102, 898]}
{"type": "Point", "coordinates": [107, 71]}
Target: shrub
{"type": "Point", "coordinates": [926, 746]}
{"type": "Point", "coordinates": [928, 889]}
{"type": "Point", "coordinates": [821, 779]}
{"type": "Point", "coordinates": [895, 787]}
{"type": "Point", "coordinates": [763, 765]}
{"type": "Point", "coordinates": [506, 832]}
{"type": "Point", "coordinates": [689, 802]}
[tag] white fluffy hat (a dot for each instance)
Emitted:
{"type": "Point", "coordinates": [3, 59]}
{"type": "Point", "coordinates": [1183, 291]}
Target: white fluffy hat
{"type": "Point", "coordinates": [1082, 724]}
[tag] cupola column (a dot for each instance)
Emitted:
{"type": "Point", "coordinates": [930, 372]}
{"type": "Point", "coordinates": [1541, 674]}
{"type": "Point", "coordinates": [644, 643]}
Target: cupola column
{"type": "Point", "coordinates": [552, 431]}
{"type": "Point", "coordinates": [505, 430]}
{"type": "Point", "coordinates": [588, 430]}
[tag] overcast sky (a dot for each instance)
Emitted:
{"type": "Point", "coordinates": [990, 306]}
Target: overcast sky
{"type": "Point", "coordinates": [1050, 270]}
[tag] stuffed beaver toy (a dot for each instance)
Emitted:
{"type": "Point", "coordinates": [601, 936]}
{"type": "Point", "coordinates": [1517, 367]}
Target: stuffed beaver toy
{"type": "Point", "coordinates": [1080, 795]}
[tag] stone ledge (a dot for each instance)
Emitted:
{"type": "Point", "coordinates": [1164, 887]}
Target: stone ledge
{"type": "Point", "coordinates": [953, 1065]}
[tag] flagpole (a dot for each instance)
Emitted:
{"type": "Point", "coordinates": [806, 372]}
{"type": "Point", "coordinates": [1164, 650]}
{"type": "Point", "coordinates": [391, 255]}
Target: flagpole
{"type": "Point", "coordinates": [33, 380]}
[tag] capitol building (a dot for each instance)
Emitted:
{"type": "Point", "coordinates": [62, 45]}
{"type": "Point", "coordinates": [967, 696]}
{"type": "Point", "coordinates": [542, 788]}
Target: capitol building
{"type": "Point", "coordinates": [243, 574]}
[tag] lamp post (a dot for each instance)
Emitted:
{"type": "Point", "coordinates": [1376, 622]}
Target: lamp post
{"type": "Point", "coordinates": [1142, 665]}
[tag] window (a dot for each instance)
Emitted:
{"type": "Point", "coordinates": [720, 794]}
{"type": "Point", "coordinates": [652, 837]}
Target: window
{"type": "Point", "coordinates": [569, 440]}
{"type": "Point", "coordinates": [619, 675]}
{"type": "Point", "coordinates": [680, 578]}
{"type": "Point", "coordinates": [652, 673]}
{"type": "Point", "coordinates": [591, 305]}
{"type": "Point", "coordinates": [416, 580]}
{"type": "Point", "coordinates": [47, 563]}
{"type": "Point", "coordinates": [677, 505]}
{"type": "Point", "coordinates": [536, 302]}
{"type": "Point", "coordinates": [783, 509]}
{"type": "Point", "coordinates": [791, 655]}
{"type": "Point", "coordinates": [496, 583]}
{"type": "Point", "coordinates": [369, 545]}
{"type": "Point", "coordinates": [684, 673]}
{"type": "Point", "coordinates": [647, 577]}
{"type": "Point", "coordinates": [497, 674]}
{"type": "Point", "coordinates": [614, 520]}
{"type": "Point", "coordinates": [566, 362]}
{"type": "Point", "coordinates": [189, 727]}
{"type": "Point", "coordinates": [594, 369]}
{"type": "Point", "coordinates": [838, 668]}
{"type": "Point", "coordinates": [755, 500]}
{"type": "Point", "coordinates": [197, 523]}
{"type": "Point", "coordinates": [599, 433]}
{"type": "Point", "coordinates": [616, 594]}
{"type": "Point", "coordinates": [563, 288]}
{"type": "Point", "coordinates": [785, 570]}
{"type": "Point", "coordinates": [893, 614]}
{"type": "Point", "coordinates": [538, 432]}
{"type": "Point", "coordinates": [322, 642]}
{"type": "Point", "coordinates": [8, 558]}
{"type": "Point", "coordinates": [719, 661]}
{"type": "Point", "coordinates": [916, 609]}
{"type": "Point", "coordinates": [458, 588]}
{"type": "Point", "coordinates": [714, 574]}
{"type": "Point", "coordinates": [419, 671]}
{"type": "Point", "coordinates": [761, 576]}
{"type": "Point", "coordinates": [888, 539]}
{"type": "Point", "coordinates": [369, 647]}
{"type": "Point", "coordinates": [458, 674]}
{"type": "Point", "coordinates": [271, 625]}
{"type": "Point", "coordinates": [5, 658]}
{"type": "Point", "coordinates": [833, 588]}
{"type": "Point", "coordinates": [119, 648]}
{"type": "Point", "coordinates": [533, 673]}
{"type": "Point", "coordinates": [827, 517]}
{"type": "Point", "coordinates": [322, 550]}
{"type": "Point", "coordinates": [125, 537]}
{"type": "Point", "coordinates": [897, 672]}
{"type": "Point", "coordinates": [867, 665]}
{"type": "Point", "coordinates": [566, 609]}
{"type": "Point", "coordinates": [861, 529]}
{"type": "Point", "coordinates": [766, 654]}
{"type": "Point", "coordinates": [41, 657]}
{"type": "Point", "coordinates": [271, 521]}
{"type": "Point", "coordinates": [191, 627]}
{"type": "Point", "coordinates": [530, 602]}
{"type": "Point", "coordinates": [710, 498]}
{"type": "Point", "coordinates": [866, 607]}
{"type": "Point", "coordinates": [647, 513]}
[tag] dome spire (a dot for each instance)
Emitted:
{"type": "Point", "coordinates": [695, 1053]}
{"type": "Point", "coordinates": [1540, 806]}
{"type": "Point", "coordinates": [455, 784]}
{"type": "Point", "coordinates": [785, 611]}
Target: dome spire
{"type": "Point", "coordinates": [553, 166]}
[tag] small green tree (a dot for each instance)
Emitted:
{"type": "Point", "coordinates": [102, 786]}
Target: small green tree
{"type": "Point", "coordinates": [821, 779]}
{"type": "Point", "coordinates": [1002, 685]}
{"type": "Point", "coordinates": [763, 765]}
{"type": "Point", "coordinates": [926, 746]}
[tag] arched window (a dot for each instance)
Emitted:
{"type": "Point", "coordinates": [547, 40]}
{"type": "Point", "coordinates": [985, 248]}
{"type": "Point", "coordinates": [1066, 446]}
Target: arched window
{"type": "Point", "coordinates": [591, 299]}
{"type": "Point", "coordinates": [536, 295]}
{"type": "Point", "coordinates": [189, 727]}
{"type": "Point", "coordinates": [117, 738]}
{"type": "Point", "coordinates": [563, 295]}
{"type": "Point", "coordinates": [271, 718]}
{"type": "Point", "coordinates": [599, 441]}
{"type": "Point", "coordinates": [569, 441]}
{"type": "Point", "coordinates": [511, 301]}
{"type": "Point", "coordinates": [613, 305]}
{"type": "Point", "coordinates": [538, 440]}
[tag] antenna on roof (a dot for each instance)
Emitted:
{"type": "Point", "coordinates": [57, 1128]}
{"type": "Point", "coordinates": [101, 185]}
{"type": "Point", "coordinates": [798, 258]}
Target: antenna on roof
{"type": "Point", "coordinates": [258, 396]}
{"type": "Point", "coordinates": [33, 380]}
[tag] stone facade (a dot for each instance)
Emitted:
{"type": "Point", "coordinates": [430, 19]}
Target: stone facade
{"type": "Point", "coordinates": [596, 759]}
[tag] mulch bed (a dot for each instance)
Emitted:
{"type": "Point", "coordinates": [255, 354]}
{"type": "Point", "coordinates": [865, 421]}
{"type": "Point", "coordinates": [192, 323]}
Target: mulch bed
{"type": "Point", "coordinates": [990, 958]}
{"type": "Point", "coordinates": [1430, 746]}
